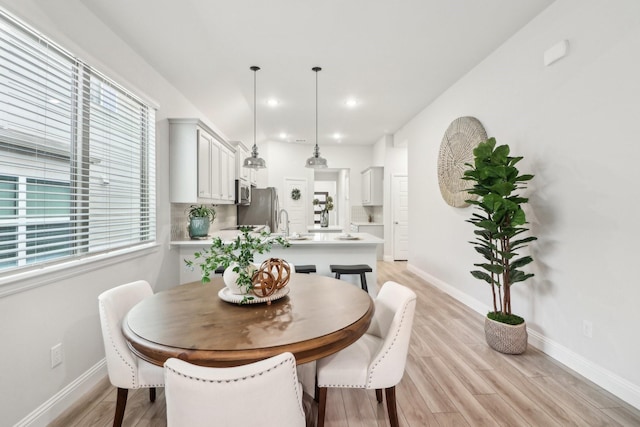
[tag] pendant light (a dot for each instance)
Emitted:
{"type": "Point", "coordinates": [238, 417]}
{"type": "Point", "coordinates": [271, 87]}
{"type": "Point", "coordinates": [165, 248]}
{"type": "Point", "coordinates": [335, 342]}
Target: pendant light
{"type": "Point", "coordinates": [316, 161]}
{"type": "Point", "coordinates": [253, 161]}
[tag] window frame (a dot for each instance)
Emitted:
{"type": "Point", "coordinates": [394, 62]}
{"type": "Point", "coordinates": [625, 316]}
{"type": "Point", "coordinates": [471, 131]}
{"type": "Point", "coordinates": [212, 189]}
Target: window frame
{"type": "Point", "coordinates": [79, 161]}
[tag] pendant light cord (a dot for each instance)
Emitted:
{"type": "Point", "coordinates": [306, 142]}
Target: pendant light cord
{"type": "Point", "coordinates": [255, 69]}
{"type": "Point", "coordinates": [315, 161]}
{"type": "Point", "coordinates": [316, 151]}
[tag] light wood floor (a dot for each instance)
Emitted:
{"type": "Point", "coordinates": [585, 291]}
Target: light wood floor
{"type": "Point", "coordinates": [452, 378]}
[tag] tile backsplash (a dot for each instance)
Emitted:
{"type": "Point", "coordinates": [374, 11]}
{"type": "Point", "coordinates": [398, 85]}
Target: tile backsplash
{"type": "Point", "coordinates": [225, 217]}
{"type": "Point", "coordinates": [366, 214]}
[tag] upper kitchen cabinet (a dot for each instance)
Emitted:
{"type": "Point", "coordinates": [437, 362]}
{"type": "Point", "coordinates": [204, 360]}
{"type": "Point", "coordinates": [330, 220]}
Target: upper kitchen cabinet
{"type": "Point", "coordinates": [372, 188]}
{"type": "Point", "coordinates": [227, 174]}
{"type": "Point", "coordinates": [247, 175]}
{"type": "Point", "coordinates": [202, 166]}
{"type": "Point", "coordinates": [242, 153]}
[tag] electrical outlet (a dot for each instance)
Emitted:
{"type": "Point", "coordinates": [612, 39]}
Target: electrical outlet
{"type": "Point", "coordinates": [56, 355]}
{"type": "Point", "coordinates": [587, 328]}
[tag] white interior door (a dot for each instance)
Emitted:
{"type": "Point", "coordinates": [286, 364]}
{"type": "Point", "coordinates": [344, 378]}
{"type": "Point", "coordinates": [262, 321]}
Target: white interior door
{"type": "Point", "coordinates": [400, 206]}
{"type": "Point", "coordinates": [297, 209]}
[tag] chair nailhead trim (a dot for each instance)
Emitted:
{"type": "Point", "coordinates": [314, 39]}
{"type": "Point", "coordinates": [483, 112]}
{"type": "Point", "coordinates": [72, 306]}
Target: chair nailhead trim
{"type": "Point", "coordinates": [375, 363]}
{"type": "Point", "coordinates": [288, 361]}
{"type": "Point", "coordinates": [379, 360]}
{"type": "Point", "coordinates": [134, 383]}
{"type": "Point", "coordinates": [110, 335]}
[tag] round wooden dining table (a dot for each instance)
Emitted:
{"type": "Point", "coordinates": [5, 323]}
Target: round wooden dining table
{"type": "Point", "coordinates": [318, 317]}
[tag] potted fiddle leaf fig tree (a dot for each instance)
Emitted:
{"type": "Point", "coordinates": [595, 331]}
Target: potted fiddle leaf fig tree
{"type": "Point", "coordinates": [499, 222]}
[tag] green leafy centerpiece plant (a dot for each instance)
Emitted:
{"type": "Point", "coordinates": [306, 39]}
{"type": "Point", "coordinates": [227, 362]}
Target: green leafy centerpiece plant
{"type": "Point", "coordinates": [236, 257]}
{"type": "Point", "coordinates": [200, 218]}
{"type": "Point", "coordinates": [499, 221]}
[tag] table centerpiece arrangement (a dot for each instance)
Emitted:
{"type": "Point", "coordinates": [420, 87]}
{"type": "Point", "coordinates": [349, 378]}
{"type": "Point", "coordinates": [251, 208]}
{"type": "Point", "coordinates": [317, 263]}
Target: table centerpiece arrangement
{"type": "Point", "coordinates": [241, 276]}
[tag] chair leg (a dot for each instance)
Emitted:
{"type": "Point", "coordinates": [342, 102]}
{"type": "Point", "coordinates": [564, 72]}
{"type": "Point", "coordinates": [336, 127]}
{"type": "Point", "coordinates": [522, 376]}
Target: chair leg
{"type": "Point", "coordinates": [363, 281]}
{"type": "Point", "coordinates": [390, 394]}
{"type": "Point", "coordinates": [121, 403]}
{"type": "Point", "coordinates": [322, 404]}
{"type": "Point", "coordinates": [337, 275]}
{"type": "Point", "coordinates": [152, 394]}
{"type": "Point", "coordinates": [379, 395]}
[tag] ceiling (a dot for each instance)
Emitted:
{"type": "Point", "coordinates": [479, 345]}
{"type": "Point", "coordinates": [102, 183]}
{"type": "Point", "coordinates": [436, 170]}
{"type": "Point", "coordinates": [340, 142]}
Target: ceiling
{"type": "Point", "coordinates": [393, 57]}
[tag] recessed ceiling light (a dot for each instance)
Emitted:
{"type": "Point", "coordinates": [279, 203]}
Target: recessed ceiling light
{"type": "Point", "coordinates": [272, 102]}
{"type": "Point", "coordinates": [337, 136]}
{"type": "Point", "coordinates": [351, 102]}
{"type": "Point", "coordinates": [283, 135]}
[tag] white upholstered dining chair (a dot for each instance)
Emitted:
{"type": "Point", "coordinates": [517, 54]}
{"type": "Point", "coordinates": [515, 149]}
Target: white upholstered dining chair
{"type": "Point", "coordinates": [264, 393]}
{"type": "Point", "coordinates": [126, 371]}
{"type": "Point", "coordinates": [377, 359]}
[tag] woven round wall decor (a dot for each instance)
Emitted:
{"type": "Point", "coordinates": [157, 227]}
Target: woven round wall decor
{"type": "Point", "coordinates": [462, 136]}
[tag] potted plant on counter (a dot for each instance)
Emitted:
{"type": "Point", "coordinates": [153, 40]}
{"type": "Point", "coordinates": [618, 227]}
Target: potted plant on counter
{"type": "Point", "coordinates": [200, 218]}
{"type": "Point", "coordinates": [236, 257]}
{"type": "Point", "coordinates": [499, 220]}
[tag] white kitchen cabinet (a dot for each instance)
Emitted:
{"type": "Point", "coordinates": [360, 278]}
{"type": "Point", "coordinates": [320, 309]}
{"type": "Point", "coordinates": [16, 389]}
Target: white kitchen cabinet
{"type": "Point", "coordinates": [227, 174]}
{"type": "Point", "coordinates": [253, 177]}
{"type": "Point", "coordinates": [372, 186]}
{"type": "Point", "coordinates": [231, 188]}
{"type": "Point", "coordinates": [200, 164]}
{"type": "Point", "coordinates": [242, 153]}
{"type": "Point", "coordinates": [204, 165]}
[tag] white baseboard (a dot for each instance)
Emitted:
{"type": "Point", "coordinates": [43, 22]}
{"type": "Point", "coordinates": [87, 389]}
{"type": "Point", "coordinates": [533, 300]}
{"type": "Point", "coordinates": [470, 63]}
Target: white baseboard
{"type": "Point", "coordinates": [470, 302]}
{"type": "Point", "coordinates": [611, 382]}
{"type": "Point", "coordinates": [65, 398]}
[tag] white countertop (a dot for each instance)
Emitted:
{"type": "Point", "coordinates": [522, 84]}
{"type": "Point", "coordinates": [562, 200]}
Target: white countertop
{"type": "Point", "coordinates": [312, 228]}
{"type": "Point", "coordinates": [366, 223]}
{"type": "Point", "coordinates": [310, 239]}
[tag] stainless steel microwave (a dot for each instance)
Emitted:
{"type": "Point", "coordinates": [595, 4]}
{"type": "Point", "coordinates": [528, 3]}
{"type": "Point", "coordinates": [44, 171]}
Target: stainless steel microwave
{"type": "Point", "coordinates": [243, 192]}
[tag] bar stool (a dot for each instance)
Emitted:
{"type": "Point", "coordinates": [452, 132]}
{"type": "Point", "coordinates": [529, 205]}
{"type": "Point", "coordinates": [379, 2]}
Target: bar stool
{"type": "Point", "coordinates": [305, 269]}
{"type": "Point", "coordinates": [360, 269]}
{"type": "Point", "coordinates": [219, 270]}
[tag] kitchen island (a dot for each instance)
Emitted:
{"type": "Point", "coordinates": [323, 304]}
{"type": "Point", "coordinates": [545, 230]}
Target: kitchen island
{"type": "Point", "coordinates": [321, 249]}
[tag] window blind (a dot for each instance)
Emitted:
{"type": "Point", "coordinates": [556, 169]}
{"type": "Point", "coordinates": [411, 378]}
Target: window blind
{"type": "Point", "coordinates": [77, 155]}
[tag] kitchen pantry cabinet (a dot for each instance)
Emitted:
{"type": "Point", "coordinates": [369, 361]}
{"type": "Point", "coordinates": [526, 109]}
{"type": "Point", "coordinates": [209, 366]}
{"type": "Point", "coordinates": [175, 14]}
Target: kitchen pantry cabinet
{"type": "Point", "coordinates": [202, 166]}
{"type": "Point", "coordinates": [372, 186]}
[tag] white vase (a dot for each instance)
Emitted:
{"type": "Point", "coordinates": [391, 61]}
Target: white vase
{"type": "Point", "coordinates": [230, 278]}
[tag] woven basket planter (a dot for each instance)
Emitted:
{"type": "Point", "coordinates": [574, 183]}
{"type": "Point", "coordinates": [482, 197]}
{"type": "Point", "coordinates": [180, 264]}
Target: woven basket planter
{"type": "Point", "coordinates": [508, 339]}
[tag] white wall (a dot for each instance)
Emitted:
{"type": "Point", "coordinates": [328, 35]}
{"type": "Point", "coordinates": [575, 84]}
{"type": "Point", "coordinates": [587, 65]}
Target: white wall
{"type": "Point", "coordinates": [65, 310]}
{"type": "Point", "coordinates": [393, 157]}
{"type": "Point", "coordinates": [574, 123]}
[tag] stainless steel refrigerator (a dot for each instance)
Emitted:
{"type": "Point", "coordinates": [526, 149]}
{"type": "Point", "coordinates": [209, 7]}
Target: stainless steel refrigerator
{"type": "Point", "coordinates": [263, 209]}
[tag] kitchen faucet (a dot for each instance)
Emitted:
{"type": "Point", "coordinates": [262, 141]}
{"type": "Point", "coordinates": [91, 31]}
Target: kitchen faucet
{"type": "Point", "coordinates": [286, 224]}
